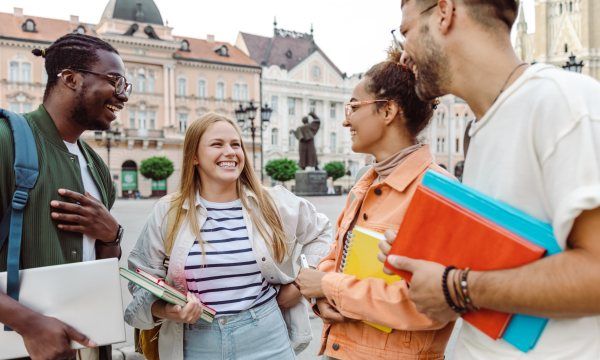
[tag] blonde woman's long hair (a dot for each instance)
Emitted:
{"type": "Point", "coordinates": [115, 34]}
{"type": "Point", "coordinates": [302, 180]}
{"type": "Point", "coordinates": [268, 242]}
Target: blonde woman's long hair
{"type": "Point", "coordinates": [266, 220]}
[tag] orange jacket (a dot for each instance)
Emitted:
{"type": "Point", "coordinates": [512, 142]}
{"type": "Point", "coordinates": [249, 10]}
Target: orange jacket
{"type": "Point", "coordinates": [379, 207]}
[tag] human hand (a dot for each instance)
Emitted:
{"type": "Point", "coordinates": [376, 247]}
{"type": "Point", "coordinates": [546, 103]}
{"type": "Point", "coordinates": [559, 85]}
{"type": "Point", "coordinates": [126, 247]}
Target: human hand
{"type": "Point", "coordinates": [425, 289]}
{"type": "Point", "coordinates": [309, 282]}
{"type": "Point", "coordinates": [87, 216]}
{"type": "Point", "coordinates": [49, 338]}
{"type": "Point", "coordinates": [188, 314]}
{"type": "Point", "coordinates": [385, 246]}
{"type": "Point", "coordinates": [328, 313]}
{"type": "Point", "coordinates": [289, 295]}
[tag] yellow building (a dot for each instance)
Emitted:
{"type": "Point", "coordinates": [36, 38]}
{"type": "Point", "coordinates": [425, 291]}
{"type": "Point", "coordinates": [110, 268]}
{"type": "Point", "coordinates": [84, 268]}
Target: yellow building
{"type": "Point", "coordinates": [176, 80]}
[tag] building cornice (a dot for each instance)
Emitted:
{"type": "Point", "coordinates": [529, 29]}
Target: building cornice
{"type": "Point", "coordinates": [216, 65]}
{"type": "Point", "coordinates": [296, 85]}
{"type": "Point", "coordinates": [20, 42]}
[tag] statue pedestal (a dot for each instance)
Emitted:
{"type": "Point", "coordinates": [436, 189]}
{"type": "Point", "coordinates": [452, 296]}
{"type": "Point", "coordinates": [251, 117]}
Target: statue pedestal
{"type": "Point", "coordinates": [311, 183]}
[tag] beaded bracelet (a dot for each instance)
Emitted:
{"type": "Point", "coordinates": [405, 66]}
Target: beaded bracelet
{"type": "Point", "coordinates": [446, 292]}
{"type": "Point", "coordinates": [460, 301]}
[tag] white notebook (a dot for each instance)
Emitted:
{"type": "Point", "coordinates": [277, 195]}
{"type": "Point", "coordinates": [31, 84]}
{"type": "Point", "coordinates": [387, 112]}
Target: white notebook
{"type": "Point", "coordinates": [85, 295]}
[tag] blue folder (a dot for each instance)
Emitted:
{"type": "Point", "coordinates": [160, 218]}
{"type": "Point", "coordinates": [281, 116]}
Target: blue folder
{"type": "Point", "coordinates": [523, 331]}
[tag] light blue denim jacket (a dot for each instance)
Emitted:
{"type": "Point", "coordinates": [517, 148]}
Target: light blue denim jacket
{"type": "Point", "coordinates": [307, 231]}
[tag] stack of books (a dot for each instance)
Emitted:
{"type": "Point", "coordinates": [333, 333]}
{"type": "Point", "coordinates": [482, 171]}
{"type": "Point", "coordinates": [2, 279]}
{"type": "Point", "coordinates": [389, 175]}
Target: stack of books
{"type": "Point", "coordinates": [452, 224]}
{"type": "Point", "coordinates": [163, 291]}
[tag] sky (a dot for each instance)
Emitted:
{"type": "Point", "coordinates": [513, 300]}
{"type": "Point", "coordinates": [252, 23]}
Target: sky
{"type": "Point", "coordinates": [354, 34]}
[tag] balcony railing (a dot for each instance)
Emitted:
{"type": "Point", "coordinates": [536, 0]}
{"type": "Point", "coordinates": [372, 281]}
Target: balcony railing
{"type": "Point", "coordinates": [144, 133]}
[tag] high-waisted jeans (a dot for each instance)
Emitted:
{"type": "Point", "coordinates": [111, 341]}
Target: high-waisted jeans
{"type": "Point", "coordinates": [257, 333]}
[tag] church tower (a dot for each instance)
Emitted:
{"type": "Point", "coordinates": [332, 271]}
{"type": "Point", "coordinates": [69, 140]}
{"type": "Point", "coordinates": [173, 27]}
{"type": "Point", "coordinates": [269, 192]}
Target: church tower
{"type": "Point", "coordinates": [523, 43]}
{"type": "Point", "coordinates": [567, 26]}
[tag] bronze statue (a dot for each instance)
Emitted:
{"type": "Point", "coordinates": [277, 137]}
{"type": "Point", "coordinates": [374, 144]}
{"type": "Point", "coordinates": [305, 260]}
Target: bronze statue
{"type": "Point", "coordinates": [306, 136]}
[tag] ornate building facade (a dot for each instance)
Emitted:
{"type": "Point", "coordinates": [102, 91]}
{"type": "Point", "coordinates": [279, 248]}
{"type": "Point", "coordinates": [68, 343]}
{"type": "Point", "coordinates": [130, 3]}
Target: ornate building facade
{"type": "Point", "coordinates": [297, 78]}
{"type": "Point", "coordinates": [176, 80]}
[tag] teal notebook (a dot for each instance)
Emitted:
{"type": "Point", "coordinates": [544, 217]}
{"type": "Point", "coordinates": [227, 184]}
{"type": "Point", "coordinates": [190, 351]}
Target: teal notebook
{"type": "Point", "coordinates": [523, 331]}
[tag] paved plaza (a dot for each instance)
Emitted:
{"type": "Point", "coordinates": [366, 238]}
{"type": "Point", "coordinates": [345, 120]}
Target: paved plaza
{"type": "Point", "coordinates": [132, 215]}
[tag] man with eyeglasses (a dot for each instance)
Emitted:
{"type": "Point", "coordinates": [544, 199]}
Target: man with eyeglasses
{"type": "Point", "coordinates": [535, 145]}
{"type": "Point", "coordinates": [67, 218]}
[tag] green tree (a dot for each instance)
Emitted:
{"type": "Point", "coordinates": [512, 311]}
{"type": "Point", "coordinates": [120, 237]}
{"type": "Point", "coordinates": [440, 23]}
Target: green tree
{"type": "Point", "coordinates": [157, 168]}
{"type": "Point", "coordinates": [335, 169]}
{"type": "Point", "coordinates": [281, 169]}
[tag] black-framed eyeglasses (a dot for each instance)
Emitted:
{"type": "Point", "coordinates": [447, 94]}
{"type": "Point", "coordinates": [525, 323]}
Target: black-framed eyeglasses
{"type": "Point", "coordinates": [122, 87]}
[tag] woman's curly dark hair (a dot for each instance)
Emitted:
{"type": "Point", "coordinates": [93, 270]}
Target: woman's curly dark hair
{"type": "Point", "coordinates": [391, 80]}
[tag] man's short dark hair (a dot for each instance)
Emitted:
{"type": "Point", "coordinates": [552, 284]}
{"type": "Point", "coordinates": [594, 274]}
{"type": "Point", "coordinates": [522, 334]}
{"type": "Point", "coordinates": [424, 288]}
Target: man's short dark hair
{"type": "Point", "coordinates": [71, 51]}
{"type": "Point", "coordinates": [486, 12]}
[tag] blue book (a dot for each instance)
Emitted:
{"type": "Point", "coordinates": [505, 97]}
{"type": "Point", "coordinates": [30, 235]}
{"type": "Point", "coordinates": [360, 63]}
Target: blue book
{"type": "Point", "coordinates": [523, 331]}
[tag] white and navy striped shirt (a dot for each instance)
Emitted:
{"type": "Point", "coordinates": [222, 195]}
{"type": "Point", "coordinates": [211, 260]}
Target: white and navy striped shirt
{"type": "Point", "coordinates": [227, 278]}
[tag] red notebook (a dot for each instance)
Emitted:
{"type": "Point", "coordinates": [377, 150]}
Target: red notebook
{"type": "Point", "coordinates": [436, 229]}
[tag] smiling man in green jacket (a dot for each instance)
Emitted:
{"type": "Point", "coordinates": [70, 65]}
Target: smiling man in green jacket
{"type": "Point", "coordinates": [67, 218]}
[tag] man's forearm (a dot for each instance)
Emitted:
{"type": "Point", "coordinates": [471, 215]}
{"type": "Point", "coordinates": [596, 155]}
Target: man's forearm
{"type": "Point", "coordinates": [15, 315]}
{"type": "Point", "coordinates": [107, 251]}
{"type": "Point", "coordinates": [562, 285]}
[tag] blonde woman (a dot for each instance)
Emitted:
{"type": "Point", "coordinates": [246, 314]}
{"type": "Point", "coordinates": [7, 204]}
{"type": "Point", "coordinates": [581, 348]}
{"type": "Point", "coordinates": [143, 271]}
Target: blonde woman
{"type": "Point", "coordinates": [235, 247]}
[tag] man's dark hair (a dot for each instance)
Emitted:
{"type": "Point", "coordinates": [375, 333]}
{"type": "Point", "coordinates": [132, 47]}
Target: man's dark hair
{"type": "Point", "coordinates": [486, 12]}
{"type": "Point", "coordinates": [390, 80]}
{"type": "Point", "coordinates": [69, 52]}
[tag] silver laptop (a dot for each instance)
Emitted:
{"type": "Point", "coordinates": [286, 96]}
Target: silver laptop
{"type": "Point", "coordinates": [85, 295]}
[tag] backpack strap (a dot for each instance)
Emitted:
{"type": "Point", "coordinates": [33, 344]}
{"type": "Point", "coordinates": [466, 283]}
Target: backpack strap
{"type": "Point", "coordinates": [26, 174]}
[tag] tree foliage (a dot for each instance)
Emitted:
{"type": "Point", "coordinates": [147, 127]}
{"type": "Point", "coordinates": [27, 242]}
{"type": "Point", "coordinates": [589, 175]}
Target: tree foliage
{"type": "Point", "coordinates": [281, 169]}
{"type": "Point", "coordinates": [335, 169]}
{"type": "Point", "coordinates": [157, 168]}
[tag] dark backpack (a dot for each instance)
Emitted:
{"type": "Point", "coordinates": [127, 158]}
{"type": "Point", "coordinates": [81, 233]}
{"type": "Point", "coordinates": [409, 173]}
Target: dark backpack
{"type": "Point", "coordinates": [26, 174]}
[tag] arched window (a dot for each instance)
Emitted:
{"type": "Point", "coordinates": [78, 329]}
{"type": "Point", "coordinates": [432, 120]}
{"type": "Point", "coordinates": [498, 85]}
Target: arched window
{"type": "Point", "coordinates": [181, 86]}
{"type": "Point", "coordinates": [80, 29]}
{"type": "Point", "coordinates": [183, 122]}
{"type": "Point", "coordinates": [25, 72]}
{"type": "Point", "coordinates": [151, 81]}
{"type": "Point", "coordinates": [185, 45]}
{"type": "Point", "coordinates": [274, 137]}
{"type": "Point", "coordinates": [13, 75]}
{"type": "Point", "coordinates": [141, 82]}
{"type": "Point", "coordinates": [28, 26]}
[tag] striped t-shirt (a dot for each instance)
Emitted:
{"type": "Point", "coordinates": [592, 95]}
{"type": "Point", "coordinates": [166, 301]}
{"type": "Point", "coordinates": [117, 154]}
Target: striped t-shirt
{"type": "Point", "coordinates": [227, 277]}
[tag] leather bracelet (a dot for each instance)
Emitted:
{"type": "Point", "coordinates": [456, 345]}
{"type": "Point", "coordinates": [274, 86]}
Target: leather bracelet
{"type": "Point", "coordinates": [464, 286]}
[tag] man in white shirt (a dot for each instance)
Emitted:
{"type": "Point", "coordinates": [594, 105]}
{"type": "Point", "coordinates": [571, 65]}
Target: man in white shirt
{"type": "Point", "coordinates": [536, 146]}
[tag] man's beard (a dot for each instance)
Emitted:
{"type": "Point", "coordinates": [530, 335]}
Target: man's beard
{"type": "Point", "coordinates": [433, 70]}
{"type": "Point", "coordinates": [83, 116]}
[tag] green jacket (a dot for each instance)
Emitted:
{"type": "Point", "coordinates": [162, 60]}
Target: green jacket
{"type": "Point", "coordinates": [43, 244]}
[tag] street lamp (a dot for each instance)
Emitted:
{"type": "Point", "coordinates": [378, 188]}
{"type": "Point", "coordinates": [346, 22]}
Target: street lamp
{"type": "Point", "coordinates": [573, 65]}
{"type": "Point", "coordinates": [111, 136]}
{"type": "Point", "coordinates": [245, 117]}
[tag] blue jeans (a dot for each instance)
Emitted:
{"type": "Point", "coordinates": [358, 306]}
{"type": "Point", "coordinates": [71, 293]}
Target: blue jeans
{"type": "Point", "coordinates": [257, 333]}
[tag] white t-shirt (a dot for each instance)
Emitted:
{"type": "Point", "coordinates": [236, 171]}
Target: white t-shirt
{"type": "Point", "coordinates": [89, 250]}
{"type": "Point", "coordinates": [538, 149]}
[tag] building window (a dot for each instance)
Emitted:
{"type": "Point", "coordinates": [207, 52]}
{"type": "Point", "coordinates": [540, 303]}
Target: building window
{"type": "Point", "coordinates": [244, 92]}
{"type": "Point", "coordinates": [275, 137]}
{"type": "Point", "coordinates": [26, 107]}
{"type": "Point", "coordinates": [44, 76]}
{"type": "Point", "coordinates": [456, 145]}
{"type": "Point", "coordinates": [183, 119]}
{"type": "Point", "coordinates": [13, 75]}
{"type": "Point", "coordinates": [151, 82]}
{"type": "Point", "coordinates": [152, 120]}
{"type": "Point", "coordinates": [141, 82]}
{"type": "Point", "coordinates": [220, 90]}
{"type": "Point", "coordinates": [236, 92]}
{"type": "Point", "coordinates": [185, 45]}
{"type": "Point", "coordinates": [274, 103]}
{"type": "Point", "coordinates": [332, 110]}
{"type": "Point", "coordinates": [333, 142]}
{"type": "Point", "coordinates": [291, 106]}
{"type": "Point", "coordinates": [28, 26]}
{"type": "Point", "coordinates": [181, 86]}
{"type": "Point", "coordinates": [316, 72]}
{"type": "Point", "coordinates": [312, 106]}
{"type": "Point", "coordinates": [202, 88]}
{"type": "Point", "coordinates": [132, 119]}
{"type": "Point", "coordinates": [14, 107]}
{"type": "Point", "coordinates": [222, 50]}
{"type": "Point", "coordinates": [566, 48]}
{"type": "Point", "coordinates": [80, 29]}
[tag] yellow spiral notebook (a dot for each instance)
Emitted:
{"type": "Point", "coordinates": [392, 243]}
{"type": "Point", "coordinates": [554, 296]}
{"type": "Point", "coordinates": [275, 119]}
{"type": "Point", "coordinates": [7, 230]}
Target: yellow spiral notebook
{"type": "Point", "coordinates": [359, 258]}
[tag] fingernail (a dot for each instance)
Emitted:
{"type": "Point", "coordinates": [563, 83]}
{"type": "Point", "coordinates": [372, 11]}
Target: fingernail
{"type": "Point", "coordinates": [54, 215]}
{"type": "Point", "coordinates": [54, 203]}
{"type": "Point", "coordinates": [61, 191]}
{"type": "Point", "coordinates": [92, 344]}
{"type": "Point", "coordinates": [393, 259]}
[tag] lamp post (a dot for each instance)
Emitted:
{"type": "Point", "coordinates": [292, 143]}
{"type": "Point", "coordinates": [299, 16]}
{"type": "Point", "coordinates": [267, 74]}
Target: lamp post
{"type": "Point", "coordinates": [245, 116]}
{"type": "Point", "coordinates": [573, 65]}
{"type": "Point", "coordinates": [112, 135]}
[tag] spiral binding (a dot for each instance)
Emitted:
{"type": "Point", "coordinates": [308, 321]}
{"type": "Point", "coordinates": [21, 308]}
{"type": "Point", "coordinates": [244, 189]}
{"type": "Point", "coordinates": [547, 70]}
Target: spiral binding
{"type": "Point", "coordinates": [346, 250]}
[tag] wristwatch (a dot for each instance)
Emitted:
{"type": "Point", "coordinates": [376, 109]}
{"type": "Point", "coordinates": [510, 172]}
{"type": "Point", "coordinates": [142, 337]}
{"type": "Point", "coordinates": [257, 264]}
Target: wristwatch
{"type": "Point", "coordinates": [118, 238]}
